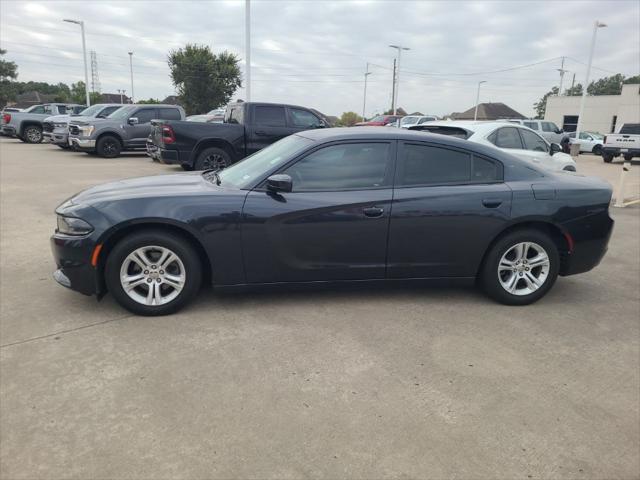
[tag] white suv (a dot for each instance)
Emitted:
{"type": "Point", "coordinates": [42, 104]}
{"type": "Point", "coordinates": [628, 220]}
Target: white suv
{"type": "Point", "coordinates": [515, 139]}
{"type": "Point", "coordinates": [547, 129]}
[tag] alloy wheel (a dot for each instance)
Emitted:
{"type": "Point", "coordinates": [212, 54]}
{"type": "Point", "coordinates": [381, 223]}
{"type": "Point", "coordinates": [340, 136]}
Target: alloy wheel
{"type": "Point", "coordinates": [523, 268]}
{"type": "Point", "coordinates": [33, 135]}
{"type": "Point", "coordinates": [152, 275]}
{"type": "Point", "coordinates": [214, 161]}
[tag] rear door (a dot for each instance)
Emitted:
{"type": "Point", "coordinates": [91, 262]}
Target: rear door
{"type": "Point", "coordinates": [267, 125]}
{"type": "Point", "coordinates": [448, 205]}
{"type": "Point", "coordinates": [332, 226]}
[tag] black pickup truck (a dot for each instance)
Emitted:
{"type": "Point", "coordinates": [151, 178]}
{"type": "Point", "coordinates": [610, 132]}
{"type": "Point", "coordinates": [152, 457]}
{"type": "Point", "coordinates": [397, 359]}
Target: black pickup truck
{"type": "Point", "coordinates": [247, 128]}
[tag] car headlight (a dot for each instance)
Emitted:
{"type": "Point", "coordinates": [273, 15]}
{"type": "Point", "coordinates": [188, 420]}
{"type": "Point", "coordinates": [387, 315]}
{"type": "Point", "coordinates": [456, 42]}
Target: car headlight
{"type": "Point", "coordinates": [60, 125]}
{"type": "Point", "coordinates": [73, 226]}
{"type": "Point", "coordinates": [86, 130]}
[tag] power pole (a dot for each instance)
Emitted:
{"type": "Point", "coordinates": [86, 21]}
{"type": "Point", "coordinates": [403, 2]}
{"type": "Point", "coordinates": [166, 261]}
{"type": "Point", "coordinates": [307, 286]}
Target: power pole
{"type": "Point", "coordinates": [393, 89]}
{"type": "Point", "coordinates": [95, 79]}
{"type": "Point", "coordinates": [573, 81]}
{"type": "Point", "coordinates": [364, 102]}
{"type": "Point", "coordinates": [399, 48]}
{"type": "Point", "coordinates": [562, 72]}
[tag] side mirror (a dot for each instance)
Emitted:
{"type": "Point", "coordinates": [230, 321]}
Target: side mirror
{"type": "Point", "coordinates": [559, 130]}
{"type": "Point", "coordinates": [133, 121]}
{"type": "Point", "coordinates": [555, 148]}
{"type": "Point", "coordinates": [279, 183]}
{"type": "Point", "coordinates": [321, 124]}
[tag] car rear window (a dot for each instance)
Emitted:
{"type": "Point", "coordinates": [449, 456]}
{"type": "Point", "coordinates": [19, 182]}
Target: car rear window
{"type": "Point", "coordinates": [169, 114]}
{"type": "Point", "coordinates": [630, 129]}
{"type": "Point", "coordinates": [456, 132]}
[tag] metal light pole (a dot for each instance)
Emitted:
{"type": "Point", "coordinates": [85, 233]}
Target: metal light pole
{"type": "Point", "coordinates": [121, 92]}
{"type": "Point", "coordinates": [562, 72]}
{"type": "Point", "coordinates": [131, 71]}
{"type": "Point", "coordinates": [596, 26]}
{"type": "Point", "coordinates": [397, 76]}
{"type": "Point", "coordinates": [475, 114]}
{"type": "Point", "coordinates": [84, 56]}
{"type": "Point", "coordinates": [364, 102]}
{"type": "Point", "coordinates": [247, 47]}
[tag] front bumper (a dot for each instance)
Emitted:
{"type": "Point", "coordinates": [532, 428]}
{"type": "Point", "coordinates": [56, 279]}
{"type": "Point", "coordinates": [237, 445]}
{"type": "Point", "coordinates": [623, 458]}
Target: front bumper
{"type": "Point", "coordinates": [55, 137]}
{"type": "Point", "coordinates": [73, 261]}
{"type": "Point", "coordinates": [82, 143]}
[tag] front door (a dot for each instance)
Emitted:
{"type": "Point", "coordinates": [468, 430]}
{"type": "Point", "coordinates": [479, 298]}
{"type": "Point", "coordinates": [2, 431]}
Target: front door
{"type": "Point", "coordinates": [333, 225]}
{"type": "Point", "coordinates": [448, 205]}
{"type": "Point", "coordinates": [137, 134]}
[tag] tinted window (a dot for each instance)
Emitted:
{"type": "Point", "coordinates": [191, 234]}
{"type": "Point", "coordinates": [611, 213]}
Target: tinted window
{"type": "Point", "coordinates": [532, 141]}
{"type": "Point", "coordinates": [62, 109]}
{"type": "Point", "coordinates": [531, 125]}
{"type": "Point", "coordinates": [108, 111]}
{"type": "Point", "coordinates": [549, 127]}
{"type": "Point", "coordinates": [303, 118]}
{"type": "Point", "coordinates": [39, 109]}
{"type": "Point", "coordinates": [348, 166]}
{"type": "Point", "coordinates": [630, 129]}
{"type": "Point", "coordinates": [269, 116]}
{"type": "Point", "coordinates": [169, 114]}
{"type": "Point", "coordinates": [145, 115]}
{"type": "Point", "coordinates": [422, 164]}
{"type": "Point", "coordinates": [485, 171]}
{"type": "Point", "coordinates": [506, 138]}
{"type": "Point", "coordinates": [236, 115]}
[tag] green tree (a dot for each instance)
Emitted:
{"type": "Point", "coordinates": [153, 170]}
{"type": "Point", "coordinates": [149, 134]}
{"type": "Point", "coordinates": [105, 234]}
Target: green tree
{"type": "Point", "coordinates": [607, 85]}
{"type": "Point", "coordinates": [8, 70]}
{"type": "Point", "coordinates": [635, 79]}
{"type": "Point", "coordinates": [204, 80]}
{"type": "Point", "coordinates": [78, 94]}
{"type": "Point", "coordinates": [576, 90]}
{"type": "Point", "coordinates": [399, 111]}
{"type": "Point", "coordinates": [150, 101]}
{"type": "Point", "coordinates": [348, 119]}
{"type": "Point", "coordinates": [541, 105]}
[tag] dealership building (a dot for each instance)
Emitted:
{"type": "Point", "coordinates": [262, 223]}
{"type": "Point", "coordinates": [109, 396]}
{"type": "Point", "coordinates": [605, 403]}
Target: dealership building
{"type": "Point", "coordinates": [602, 113]}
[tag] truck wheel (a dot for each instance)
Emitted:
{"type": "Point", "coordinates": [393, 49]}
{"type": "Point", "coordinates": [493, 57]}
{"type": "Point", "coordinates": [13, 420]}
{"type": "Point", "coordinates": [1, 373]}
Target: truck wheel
{"type": "Point", "coordinates": [32, 134]}
{"type": "Point", "coordinates": [628, 157]}
{"type": "Point", "coordinates": [607, 157]}
{"type": "Point", "coordinates": [108, 146]}
{"type": "Point", "coordinates": [212, 158]}
{"type": "Point", "coordinates": [597, 150]}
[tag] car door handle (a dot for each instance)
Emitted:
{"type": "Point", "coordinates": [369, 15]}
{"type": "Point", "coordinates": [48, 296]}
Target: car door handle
{"type": "Point", "coordinates": [373, 212]}
{"type": "Point", "coordinates": [260, 132]}
{"type": "Point", "coordinates": [492, 202]}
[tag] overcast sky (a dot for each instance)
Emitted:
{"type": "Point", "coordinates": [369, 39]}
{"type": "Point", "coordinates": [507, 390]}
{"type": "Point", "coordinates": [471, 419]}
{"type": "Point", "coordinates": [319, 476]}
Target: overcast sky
{"type": "Point", "coordinates": [314, 52]}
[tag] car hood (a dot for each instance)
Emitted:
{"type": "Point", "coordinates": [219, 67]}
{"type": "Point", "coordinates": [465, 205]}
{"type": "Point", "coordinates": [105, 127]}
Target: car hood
{"type": "Point", "coordinates": [180, 184]}
{"type": "Point", "coordinates": [57, 118]}
{"type": "Point", "coordinates": [81, 120]}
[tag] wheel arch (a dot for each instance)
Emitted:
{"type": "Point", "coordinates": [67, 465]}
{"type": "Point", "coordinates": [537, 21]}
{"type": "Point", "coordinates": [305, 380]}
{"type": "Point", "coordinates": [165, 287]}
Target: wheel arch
{"type": "Point", "coordinates": [110, 238]}
{"type": "Point", "coordinates": [110, 133]}
{"type": "Point", "coordinates": [212, 142]}
{"type": "Point", "coordinates": [29, 123]}
{"type": "Point", "coordinates": [559, 237]}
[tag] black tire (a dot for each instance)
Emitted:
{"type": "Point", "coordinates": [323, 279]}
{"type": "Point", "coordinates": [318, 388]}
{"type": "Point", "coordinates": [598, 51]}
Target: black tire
{"type": "Point", "coordinates": [157, 238]}
{"type": "Point", "coordinates": [212, 158]}
{"type": "Point", "coordinates": [607, 157]}
{"type": "Point", "coordinates": [186, 167]}
{"type": "Point", "coordinates": [109, 146]}
{"type": "Point", "coordinates": [32, 134]}
{"type": "Point", "coordinates": [597, 150]}
{"type": "Point", "coordinates": [491, 280]}
{"type": "Point", "coordinates": [628, 158]}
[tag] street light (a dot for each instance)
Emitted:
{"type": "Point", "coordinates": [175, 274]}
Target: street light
{"type": "Point", "coordinates": [121, 92]}
{"type": "Point", "coordinates": [84, 56]}
{"type": "Point", "coordinates": [596, 26]}
{"type": "Point", "coordinates": [247, 48]}
{"type": "Point", "coordinates": [396, 80]}
{"type": "Point", "coordinates": [131, 71]}
{"type": "Point", "coordinates": [475, 114]}
{"type": "Point", "coordinates": [364, 102]}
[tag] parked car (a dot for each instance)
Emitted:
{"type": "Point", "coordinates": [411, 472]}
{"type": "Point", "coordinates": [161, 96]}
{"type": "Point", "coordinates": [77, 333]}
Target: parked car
{"type": "Point", "coordinates": [27, 125]}
{"type": "Point", "coordinates": [626, 143]}
{"type": "Point", "coordinates": [55, 129]}
{"type": "Point", "coordinates": [205, 118]}
{"type": "Point", "coordinates": [406, 122]}
{"type": "Point", "coordinates": [516, 139]}
{"type": "Point", "coordinates": [247, 128]}
{"type": "Point", "coordinates": [126, 129]}
{"type": "Point", "coordinates": [547, 129]}
{"type": "Point", "coordinates": [590, 142]}
{"type": "Point", "coordinates": [335, 205]}
{"type": "Point", "coordinates": [379, 121]}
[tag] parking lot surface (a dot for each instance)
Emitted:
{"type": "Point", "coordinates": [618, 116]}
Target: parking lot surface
{"type": "Point", "coordinates": [378, 383]}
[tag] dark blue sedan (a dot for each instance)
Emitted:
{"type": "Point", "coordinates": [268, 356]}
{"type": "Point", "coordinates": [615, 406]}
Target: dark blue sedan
{"type": "Point", "coordinates": [335, 205]}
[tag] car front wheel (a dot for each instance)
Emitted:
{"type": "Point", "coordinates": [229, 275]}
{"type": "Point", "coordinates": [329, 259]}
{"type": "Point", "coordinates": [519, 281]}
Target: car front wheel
{"type": "Point", "coordinates": [597, 150]}
{"type": "Point", "coordinates": [108, 146]}
{"type": "Point", "coordinates": [153, 273]}
{"type": "Point", "coordinates": [521, 267]}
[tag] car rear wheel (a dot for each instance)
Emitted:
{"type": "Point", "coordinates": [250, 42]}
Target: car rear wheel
{"type": "Point", "coordinates": [108, 146]}
{"type": "Point", "coordinates": [212, 158]}
{"type": "Point", "coordinates": [32, 134]}
{"type": "Point", "coordinates": [521, 267]}
{"type": "Point", "coordinates": [628, 158]}
{"type": "Point", "coordinates": [153, 273]}
{"type": "Point", "coordinates": [607, 157]}
{"type": "Point", "coordinates": [597, 150]}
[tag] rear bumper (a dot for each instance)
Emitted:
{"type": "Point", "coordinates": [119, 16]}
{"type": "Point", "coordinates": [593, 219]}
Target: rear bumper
{"type": "Point", "coordinates": [615, 151]}
{"type": "Point", "coordinates": [7, 130]}
{"type": "Point", "coordinates": [169, 157]}
{"type": "Point", "coordinates": [591, 241]}
{"type": "Point", "coordinates": [72, 257]}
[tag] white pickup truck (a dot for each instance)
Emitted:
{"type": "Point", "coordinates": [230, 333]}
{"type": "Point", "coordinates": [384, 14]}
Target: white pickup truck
{"type": "Point", "coordinates": [626, 143]}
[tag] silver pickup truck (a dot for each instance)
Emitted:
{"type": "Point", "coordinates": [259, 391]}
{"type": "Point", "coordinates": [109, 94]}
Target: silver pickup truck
{"type": "Point", "coordinates": [626, 143]}
{"type": "Point", "coordinates": [56, 128]}
{"type": "Point", "coordinates": [27, 125]}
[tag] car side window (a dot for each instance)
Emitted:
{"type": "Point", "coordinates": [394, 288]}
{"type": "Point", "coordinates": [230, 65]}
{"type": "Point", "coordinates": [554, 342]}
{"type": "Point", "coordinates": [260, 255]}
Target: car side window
{"type": "Point", "coordinates": [303, 118]}
{"type": "Point", "coordinates": [349, 166]}
{"type": "Point", "coordinates": [424, 165]}
{"type": "Point", "coordinates": [169, 114]}
{"type": "Point", "coordinates": [62, 109]}
{"type": "Point", "coordinates": [145, 115]}
{"type": "Point", "coordinates": [108, 111]}
{"type": "Point", "coordinates": [549, 127]}
{"type": "Point", "coordinates": [39, 109]}
{"type": "Point", "coordinates": [269, 116]}
{"type": "Point", "coordinates": [48, 109]}
{"type": "Point", "coordinates": [236, 115]}
{"type": "Point", "coordinates": [506, 137]}
{"type": "Point", "coordinates": [531, 125]}
{"type": "Point", "coordinates": [533, 141]}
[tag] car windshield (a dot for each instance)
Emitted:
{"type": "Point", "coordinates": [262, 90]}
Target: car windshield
{"type": "Point", "coordinates": [243, 173]}
{"type": "Point", "coordinates": [597, 136]}
{"type": "Point", "coordinates": [409, 120]}
{"type": "Point", "coordinates": [91, 111]}
{"type": "Point", "coordinates": [379, 118]}
{"type": "Point", "coordinates": [122, 113]}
